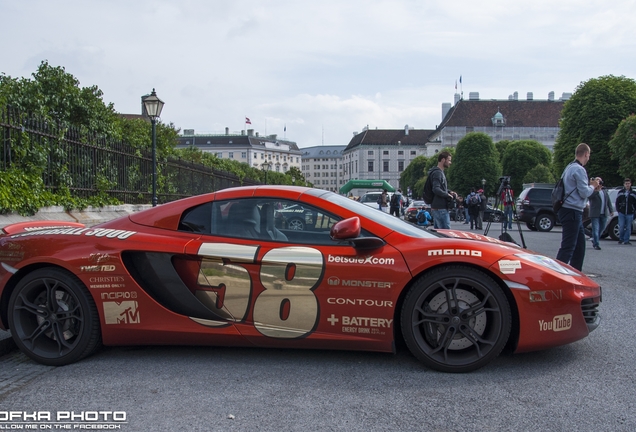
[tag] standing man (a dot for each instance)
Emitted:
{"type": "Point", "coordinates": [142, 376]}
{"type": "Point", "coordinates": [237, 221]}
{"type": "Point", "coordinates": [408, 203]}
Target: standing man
{"type": "Point", "coordinates": [507, 198]}
{"type": "Point", "coordinates": [625, 206]}
{"type": "Point", "coordinates": [577, 190]}
{"type": "Point", "coordinates": [483, 205]}
{"type": "Point", "coordinates": [384, 201]}
{"type": "Point", "coordinates": [441, 196]}
{"type": "Point", "coordinates": [396, 203]}
{"type": "Point", "coordinates": [600, 207]}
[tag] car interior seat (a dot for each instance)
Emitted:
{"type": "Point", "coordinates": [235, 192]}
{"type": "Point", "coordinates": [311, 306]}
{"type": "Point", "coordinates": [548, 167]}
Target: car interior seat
{"type": "Point", "coordinates": [268, 226]}
{"type": "Point", "coordinates": [245, 220]}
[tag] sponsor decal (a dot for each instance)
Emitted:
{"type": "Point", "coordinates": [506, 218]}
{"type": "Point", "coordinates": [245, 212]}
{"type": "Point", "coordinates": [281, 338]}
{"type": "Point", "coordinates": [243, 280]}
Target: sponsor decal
{"type": "Point", "coordinates": [101, 282]}
{"type": "Point", "coordinates": [509, 266]}
{"type": "Point", "coordinates": [361, 325]}
{"type": "Point", "coordinates": [97, 232]}
{"type": "Point", "coordinates": [558, 323]}
{"type": "Point", "coordinates": [97, 268]}
{"type": "Point", "coordinates": [336, 281]}
{"type": "Point", "coordinates": [99, 258]}
{"type": "Point", "coordinates": [369, 259]}
{"type": "Point", "coordinates": [544, 296]}
{"type": "Point", "coordinates": [101, 419]}
{"type": "Point", "coordinates": [359, 302]}
{"type": "Point", "coordinates": [121, 312]}
{"type": "Point", "coordinates": [118, 295]}
{"type": "Point", "coordinates": [454, 252]}
{"type": "Point", "coordinates": [36, 228]}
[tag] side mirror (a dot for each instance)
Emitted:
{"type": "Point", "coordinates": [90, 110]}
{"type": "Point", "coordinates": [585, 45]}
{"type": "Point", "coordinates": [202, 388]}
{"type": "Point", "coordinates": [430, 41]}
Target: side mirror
{"type": "Point", "coordinates": [349, 230]}
{"type": "Point", "coordinates": [346, 229]}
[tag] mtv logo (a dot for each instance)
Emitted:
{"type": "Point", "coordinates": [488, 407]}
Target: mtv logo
{"type": "Point", "coordinates": [124, 312]}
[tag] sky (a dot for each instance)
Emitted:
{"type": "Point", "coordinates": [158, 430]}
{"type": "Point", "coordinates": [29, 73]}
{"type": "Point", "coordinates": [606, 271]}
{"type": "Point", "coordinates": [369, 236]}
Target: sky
{"type": "Point", "coordinates": [315, 72]}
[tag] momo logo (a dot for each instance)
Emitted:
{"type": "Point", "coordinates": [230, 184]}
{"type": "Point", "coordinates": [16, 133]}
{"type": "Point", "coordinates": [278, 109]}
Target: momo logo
{"type": "Point", "coordinates": [455, 252]}
{"type": "Point", "coordinates": [558, 323]}
{"type": "Point", "coordinates": [124, 312]}
{"type": "Point", "coordinates": [370, 259]}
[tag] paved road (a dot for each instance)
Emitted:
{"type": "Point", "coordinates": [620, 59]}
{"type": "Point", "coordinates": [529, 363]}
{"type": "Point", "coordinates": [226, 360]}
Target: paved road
{"type": "Point", "coordinates": [589, 385]}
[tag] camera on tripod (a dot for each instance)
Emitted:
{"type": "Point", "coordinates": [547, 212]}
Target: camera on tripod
{"type": "Point", "coordinates": [505, 181]}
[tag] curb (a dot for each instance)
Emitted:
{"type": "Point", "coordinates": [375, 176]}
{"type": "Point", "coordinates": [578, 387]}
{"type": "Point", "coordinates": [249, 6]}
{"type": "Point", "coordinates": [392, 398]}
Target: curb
{"type": "Point", "coordinates": [6, 343]}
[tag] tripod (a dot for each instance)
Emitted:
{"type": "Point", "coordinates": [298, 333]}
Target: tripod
{"type": "Point", "coordinates": [506, 191]}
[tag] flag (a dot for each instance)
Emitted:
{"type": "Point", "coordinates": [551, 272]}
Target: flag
{"type": "Point", "coordinates": [285, 130]}
{"type": "Point", "coordinates": [460, 79]}
{"type": "Point", "coordinates": [455, 84]}
{"type": "Point", "coordinates": [247, 121]}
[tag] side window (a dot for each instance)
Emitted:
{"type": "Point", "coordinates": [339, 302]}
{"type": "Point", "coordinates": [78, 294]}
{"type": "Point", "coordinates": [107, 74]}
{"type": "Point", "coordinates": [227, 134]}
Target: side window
{"type": "Point", "coordinates": [267, 219]}
{"type": "Point", "coordinates": [197, 219]}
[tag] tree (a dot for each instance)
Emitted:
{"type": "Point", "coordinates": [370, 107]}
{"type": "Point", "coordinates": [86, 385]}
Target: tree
{"type": "Point", "coordinates": [412, 173]}
{"type": "Point", "coordinates": [520, 157]}
{"type": "Point", "coordinates": [475, 158]}
{"type": "Point", "coordinates": [539, 174]}
{"type": "Point", "coordinates": [501, 148]}
{"type": "Point", "coordinates": [592, 116]}
{"type": "Point", "coordinates": [623, 147]}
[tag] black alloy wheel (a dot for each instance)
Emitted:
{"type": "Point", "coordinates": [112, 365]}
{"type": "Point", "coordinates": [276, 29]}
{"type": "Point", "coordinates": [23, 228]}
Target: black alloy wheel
{"type": "Point", "coordinates": [52, 317]}
{"type": "Point", "coordinates": [456, 319]}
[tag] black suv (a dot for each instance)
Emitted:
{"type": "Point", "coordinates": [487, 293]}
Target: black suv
{"type": "Point", "coordinates": [534, 207]}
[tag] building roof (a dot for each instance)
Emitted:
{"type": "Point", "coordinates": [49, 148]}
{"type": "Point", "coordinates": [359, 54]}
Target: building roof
{"type": "Point", "coordinates": [388, 137]}
{"type": "Point", "coordinates": [324, 151]}
{"type": "Point", "coordinates": [517, 113]}
{"type": "Point", "coordinates": [241, 141]}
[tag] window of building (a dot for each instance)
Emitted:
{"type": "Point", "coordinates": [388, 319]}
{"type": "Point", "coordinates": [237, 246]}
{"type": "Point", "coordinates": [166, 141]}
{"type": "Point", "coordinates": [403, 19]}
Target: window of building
{"type": "Point", "coordinates": [400, 166]}
{"type": "Point", "coordinates": [370, 166]}
{"type": "Point", "coordinates": [231, 155]}
{"type": "Point", "coordinates": [370, 153]}
{"type": "Point", "coordinates": [400, 152]}
{"type": "Point", "coordinates": [219, 155]}
{"type": "Point", "coordinates": [412, 152]}
{"type": "Point", "coordinates": [385, 166]}
{"type": "Point", "coordinates": [385, 152]}
{"type": "Point", "coordinates": [243, 155]}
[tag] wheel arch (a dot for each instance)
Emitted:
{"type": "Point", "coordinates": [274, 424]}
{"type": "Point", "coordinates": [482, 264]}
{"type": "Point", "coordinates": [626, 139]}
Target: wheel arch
{"type": "Point", "coordinates": [513, 338]}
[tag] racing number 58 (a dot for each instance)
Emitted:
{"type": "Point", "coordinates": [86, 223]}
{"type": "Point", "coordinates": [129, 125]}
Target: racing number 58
{"type": "Point", "coordinates": [288, 307]}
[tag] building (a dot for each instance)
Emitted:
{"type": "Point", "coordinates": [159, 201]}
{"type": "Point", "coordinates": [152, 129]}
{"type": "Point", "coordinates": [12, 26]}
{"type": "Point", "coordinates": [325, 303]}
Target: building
{"type": "Point", "coordinates": [322, 166]}
{"type": "Point", "coordinates": [382, 154]}
{"type": "Point", "coordinates": [510, 119]}
{"type": "Point", "coordinates": [262, 152]}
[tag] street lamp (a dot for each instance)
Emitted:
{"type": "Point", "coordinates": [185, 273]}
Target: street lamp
{"type": "Point", "coordinates": [483, 184]}
{"type": "Point", "coordinates": [266, 167]}
{"type": "Point", "coordinates": [153, 106]}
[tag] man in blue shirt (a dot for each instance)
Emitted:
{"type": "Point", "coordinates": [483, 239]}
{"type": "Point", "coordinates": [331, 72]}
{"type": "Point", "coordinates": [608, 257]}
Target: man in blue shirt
{"type": "Point", "coordinates": [625, 206]}
{"type": "Point", "coordinates": [577, 190]}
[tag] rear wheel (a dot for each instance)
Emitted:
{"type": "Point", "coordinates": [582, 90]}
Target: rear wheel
{"type": "Point", "coordinates": [456, 319]}
{"type": "Point", "coordinates": [296, 224]}
{"type": "Point", "coordinates": [544, 222]}
{"type": "Point", "coordinates": [52, 317]}
{"type": "Point", "coordinates": [612, 229]}
{"type": "Point", "coordinates": [531, 226]}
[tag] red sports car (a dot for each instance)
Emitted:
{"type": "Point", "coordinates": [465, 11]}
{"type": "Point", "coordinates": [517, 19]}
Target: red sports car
{"type": "Point", "coordinates": [233, 268]}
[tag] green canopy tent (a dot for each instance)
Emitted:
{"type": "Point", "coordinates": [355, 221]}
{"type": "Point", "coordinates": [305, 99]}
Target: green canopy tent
{"type": "Point", "coordinates": [366, 184]}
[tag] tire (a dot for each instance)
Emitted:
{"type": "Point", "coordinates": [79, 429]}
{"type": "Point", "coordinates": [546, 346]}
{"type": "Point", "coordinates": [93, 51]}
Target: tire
{"type": "Point", "coordinates": [531, 226]}
{"type": "Point", "coordinates": [296, 224]}
{"type": "Point", "coordinates": [612, 229]}
{"type": "Point", "coordinates": [544, 222]}
{"type": "Point", "coordinates": [51, 305]}
{"type": "Point", "coordinates": [587, 227]}
{"type": "Point", "coordinates": [495, 217]}
{"type": "Point", "coordinates": [456, 339]}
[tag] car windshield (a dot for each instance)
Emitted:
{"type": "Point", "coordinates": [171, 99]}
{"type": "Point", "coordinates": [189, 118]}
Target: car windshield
{"type": "Point", "coordinates": [376, 215]}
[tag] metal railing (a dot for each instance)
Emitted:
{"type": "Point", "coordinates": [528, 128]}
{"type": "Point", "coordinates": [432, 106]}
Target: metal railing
{"type": "Point", "coordinates": [87, 164]}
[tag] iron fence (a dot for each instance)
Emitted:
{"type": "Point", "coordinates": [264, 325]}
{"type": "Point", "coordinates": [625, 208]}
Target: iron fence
{"type": "Point", "coordinates": [87, 164]}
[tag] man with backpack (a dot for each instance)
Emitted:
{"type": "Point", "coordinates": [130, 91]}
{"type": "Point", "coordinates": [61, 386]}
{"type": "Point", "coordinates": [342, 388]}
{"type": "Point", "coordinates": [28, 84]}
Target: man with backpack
{"type": "Point", "coordinates": [474, 203]}
{"type": "Point", "coordinates": [436, 192]}
{"type": "Point", "coordinates": [396, 203]}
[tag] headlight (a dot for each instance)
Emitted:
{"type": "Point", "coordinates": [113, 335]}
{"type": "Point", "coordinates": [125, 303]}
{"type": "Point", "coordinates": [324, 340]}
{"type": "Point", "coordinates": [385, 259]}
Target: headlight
{"type": "Point", "coordinates": [550, 263]}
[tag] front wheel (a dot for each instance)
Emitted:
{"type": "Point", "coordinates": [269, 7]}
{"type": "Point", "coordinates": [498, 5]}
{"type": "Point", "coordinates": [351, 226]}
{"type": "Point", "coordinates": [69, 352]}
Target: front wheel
{"type": "Point", "coordinates": [456, 319]}
{"type": "Point", "coordinates": [296, 224]}
{"type": "Point", "coordinates": [52, 317]}
{"type": "Point", "coordinates": [612, 229]}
